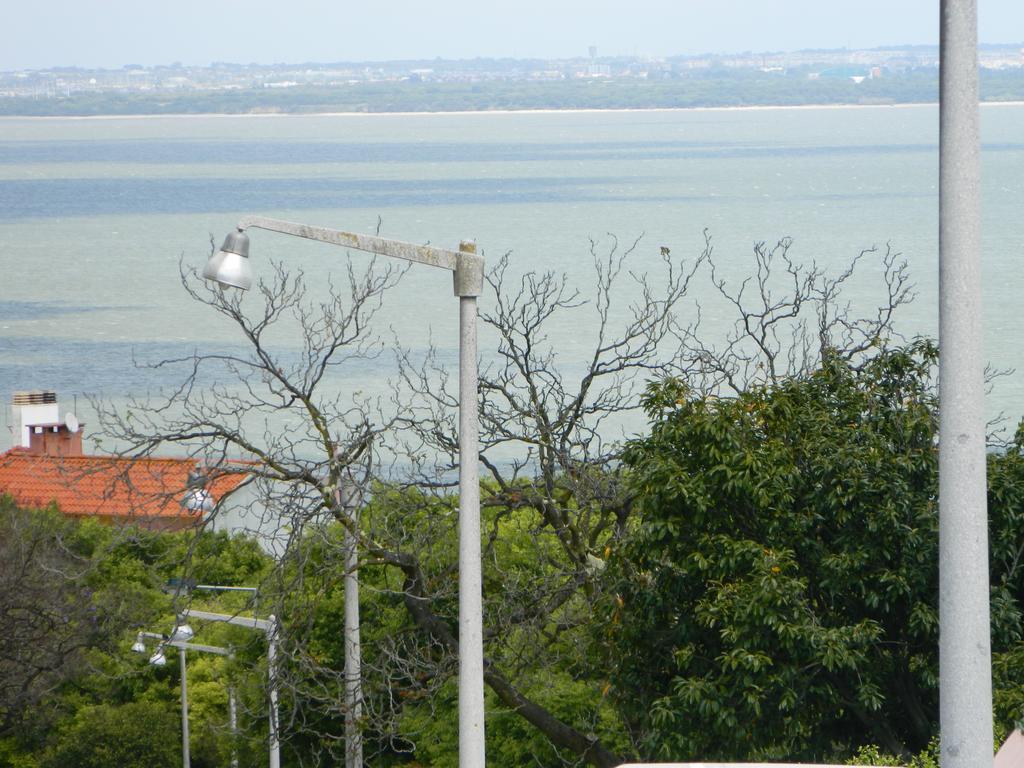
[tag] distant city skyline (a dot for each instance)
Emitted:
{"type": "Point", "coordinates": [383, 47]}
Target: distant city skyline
{"type": "Point", "coordinates": [115, 33]}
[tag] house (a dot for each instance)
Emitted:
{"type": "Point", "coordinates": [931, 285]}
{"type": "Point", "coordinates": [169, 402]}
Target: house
{"type": "Point", "coordinates": [47, 465]}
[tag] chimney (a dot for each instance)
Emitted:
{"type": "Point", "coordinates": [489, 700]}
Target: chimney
{"type": "Point", "coordinates": [55, 440]}
{"type": "Point", "coordinates": [36, 425]}
{"type": "Point", "coordinates": [31, 408]}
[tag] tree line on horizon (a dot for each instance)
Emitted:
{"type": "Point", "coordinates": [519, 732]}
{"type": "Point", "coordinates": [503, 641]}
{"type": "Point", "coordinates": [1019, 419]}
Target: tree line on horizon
{"type": "Point", "coordinates": [713, 88]}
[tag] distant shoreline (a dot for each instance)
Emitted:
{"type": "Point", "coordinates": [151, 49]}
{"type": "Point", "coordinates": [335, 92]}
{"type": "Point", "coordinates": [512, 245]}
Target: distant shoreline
{"type": "Point", "coordinates": [546, 111]}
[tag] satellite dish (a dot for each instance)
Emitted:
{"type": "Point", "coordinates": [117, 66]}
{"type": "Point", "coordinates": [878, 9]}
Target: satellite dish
{"type": "Point", "coordinates": [71, 422]}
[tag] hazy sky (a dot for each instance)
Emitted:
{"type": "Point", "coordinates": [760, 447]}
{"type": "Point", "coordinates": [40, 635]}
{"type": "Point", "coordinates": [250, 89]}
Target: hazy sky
{"type": "Point", "coordinates": [111, 33]}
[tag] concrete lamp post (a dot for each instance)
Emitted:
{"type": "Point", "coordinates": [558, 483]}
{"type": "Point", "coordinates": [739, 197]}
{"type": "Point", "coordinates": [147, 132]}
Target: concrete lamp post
{"type": "Point", "coordinates": [965, 650]}
{"type": "Point", "coordinates": [231, 267]}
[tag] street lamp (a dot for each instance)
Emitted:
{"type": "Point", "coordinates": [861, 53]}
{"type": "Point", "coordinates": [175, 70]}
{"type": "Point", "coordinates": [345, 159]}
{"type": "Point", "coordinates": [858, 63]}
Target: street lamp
{"type": "Point", "coordinates": [197, 498]}
{"type": "Point", "coordinates": [270, 627]}
{"type": "Point", "coordinates": [231, 267]}
{"type": "Point", "coordinates": [159, 659]}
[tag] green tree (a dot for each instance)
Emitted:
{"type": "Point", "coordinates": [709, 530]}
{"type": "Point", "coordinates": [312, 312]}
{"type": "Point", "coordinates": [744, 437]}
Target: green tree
{"type": "Point", "coordinates": [778, 597]}
{"type": "Point", "coordinates": [134, 735]}
{"type": "Point", "coordinates": [53, 607]}
{"type": "Point", "coordinates": [74, 594]}
{"type": "Point", "coordinates": [1006, 542]}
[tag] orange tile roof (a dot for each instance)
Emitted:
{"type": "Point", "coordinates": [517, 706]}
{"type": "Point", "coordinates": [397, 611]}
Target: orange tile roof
{"type": "Point", "coordinates": [106, 486]}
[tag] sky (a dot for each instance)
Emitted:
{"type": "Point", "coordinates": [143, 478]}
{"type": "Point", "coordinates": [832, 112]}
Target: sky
{"type": "Point", "coordinates": [113, 33]}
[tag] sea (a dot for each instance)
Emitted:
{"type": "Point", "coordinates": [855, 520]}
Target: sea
{"type": "Point", "coordinates": [99, 217]}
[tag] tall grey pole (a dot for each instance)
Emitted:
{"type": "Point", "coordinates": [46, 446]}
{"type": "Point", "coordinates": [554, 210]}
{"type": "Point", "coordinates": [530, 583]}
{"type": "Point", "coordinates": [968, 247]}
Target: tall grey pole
{"type": "Point", "coordinates": [353, 657]}
{"type": "Point", "coordinates": [275, 738]}
{"type": "Point", "coordinates": [471, 649]}
{"type": "Point", "coordinates": [965, 669]}
{"type": "Point", "coordinates": [186, 759]}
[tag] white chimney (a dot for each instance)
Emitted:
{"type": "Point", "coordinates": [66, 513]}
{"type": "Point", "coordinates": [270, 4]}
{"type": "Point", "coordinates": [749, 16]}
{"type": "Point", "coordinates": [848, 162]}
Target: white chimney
{"type": "Point", "coordinates": [29, 409]}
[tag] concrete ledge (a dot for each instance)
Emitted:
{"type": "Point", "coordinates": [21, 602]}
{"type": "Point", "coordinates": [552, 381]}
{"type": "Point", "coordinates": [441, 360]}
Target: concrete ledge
{"type": "Point", "coordinates": [736, 765]}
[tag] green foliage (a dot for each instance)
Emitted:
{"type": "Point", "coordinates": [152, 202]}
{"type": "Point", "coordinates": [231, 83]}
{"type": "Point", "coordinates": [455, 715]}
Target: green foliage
{"type": "Point", "coordinates": [134, 735]}
{"type": "Point", "coordinates": [872, 755]}
{"type": "Point", "coordinates": [52, 609]}
{"type": "Point", "coordinates": [717, 87]}
{"type": "Point", "coordinates": [1006, 541]}
{"type": "Point", "coordinates": [777, 601]}
{"type": "Point", "coordinates": [431, 732]}
{"type": "Point", "coordinates": [410, 688]}
{"type": "Point", "coordinates": [94, 586]}
{"type": "Point", "coordinates": [512, 742]}
{"type": "Point", "coordinates": [14, 755]}
{"type": "Point", "coordinates": [779, 597]}
{"type": "Point", "coordinates": [219, 558]}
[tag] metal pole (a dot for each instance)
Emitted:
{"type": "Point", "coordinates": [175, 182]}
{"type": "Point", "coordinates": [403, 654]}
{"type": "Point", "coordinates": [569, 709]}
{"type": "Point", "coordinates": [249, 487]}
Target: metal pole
{"type": "Point", "coordinates": [233, 721]}
{"type": "Point", "coordinates": [275, 741]}
{"type": "Point", "coordinates": [471, 649]}
{"type": "Point", "coordinates": [186, 759]}
{"type": "Point", "coordinates": [353, 657]}
{"type": "Point", "coordinates": [965, 668]}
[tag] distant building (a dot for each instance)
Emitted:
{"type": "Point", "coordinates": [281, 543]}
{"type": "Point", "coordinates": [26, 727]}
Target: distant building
{"type": "Point", "coordinates": [845, 72]}
{"type": "Point", "coordinates": [47, 466]}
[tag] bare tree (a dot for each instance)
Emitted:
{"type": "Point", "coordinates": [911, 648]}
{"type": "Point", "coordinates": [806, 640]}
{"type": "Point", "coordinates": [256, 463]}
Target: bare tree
{"type": "Point", "coordinates": [548, 423]}
{"type": "Point", "coordinates": [552, 422]}
{"type": "Point", "coordinates": [270, 412]}
{"type": "Point", "coordinates": [789, 315]}
{"type": "Point", "coordinates": [48, 619]}
{"type": "Point", "coordinates": [549, 426]}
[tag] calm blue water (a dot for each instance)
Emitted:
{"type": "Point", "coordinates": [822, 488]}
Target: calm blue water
{"type": "Point", "coordinates": [95, 216]}
{"type": "Point", "coordinates": [271, 152]}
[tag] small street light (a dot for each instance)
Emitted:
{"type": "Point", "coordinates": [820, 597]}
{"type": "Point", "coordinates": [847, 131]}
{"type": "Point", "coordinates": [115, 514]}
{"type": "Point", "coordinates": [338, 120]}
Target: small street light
{"type": "Point", "coordinates": [197, 498]}
{"type": "Point", "coordinates": [159, 659]}
{"type": "Point", "coordinates": [230, 267]}
{"type": "Point", "coordinates": [270, 627]}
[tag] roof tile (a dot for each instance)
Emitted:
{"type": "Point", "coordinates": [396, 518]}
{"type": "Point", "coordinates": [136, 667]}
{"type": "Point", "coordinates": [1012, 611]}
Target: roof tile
{"type": "Point", "coordinates": [106, 486]}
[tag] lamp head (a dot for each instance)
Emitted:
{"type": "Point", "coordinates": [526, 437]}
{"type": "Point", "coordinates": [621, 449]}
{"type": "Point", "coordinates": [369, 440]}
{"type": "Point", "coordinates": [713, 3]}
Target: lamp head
{"type": "Point", "coordinates": [198, 500]}
{"type": "Point", "coordinates": [230, 265]}
{"type": "Point", "coordinates": [158, 659]}
{"type": "Point", "coordinates": [138, 646]}
{"type": "Point", "coordinates": [182, 633]}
